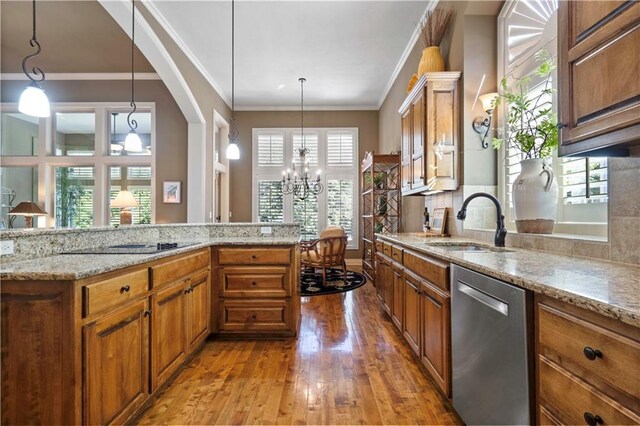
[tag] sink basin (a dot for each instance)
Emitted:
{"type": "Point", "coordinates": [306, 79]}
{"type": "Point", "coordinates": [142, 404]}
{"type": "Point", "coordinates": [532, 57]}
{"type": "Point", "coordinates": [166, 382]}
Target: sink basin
{"type": "Point", "coordinates": [467, 247]}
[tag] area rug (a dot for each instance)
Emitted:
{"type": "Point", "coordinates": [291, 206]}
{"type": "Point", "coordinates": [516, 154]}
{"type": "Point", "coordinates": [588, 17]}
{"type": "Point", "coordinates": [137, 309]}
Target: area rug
{"type": "Point", "coordinates": [311, 282]}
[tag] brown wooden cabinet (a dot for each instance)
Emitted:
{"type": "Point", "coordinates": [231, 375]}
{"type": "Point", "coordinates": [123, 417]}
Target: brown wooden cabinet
{"type": "Point", "coordinates": [588, 366]}
{"type": "Point", "coordinates": [430, 134]}
{"type": "Point", "coordinates": [397, 307]}
{"type": "Point", "coordinates": [598, 69]}
{"type": "Point", "coordinates": [116, 359]}
{"type": "Point", "coordinates": [198, 321]}
{"type": "Point", "coordinates": [435, 353]}
{"type": "Point", "coordinates": [411, 323]}
{"type": "Point", "coordinates": [168, 331]}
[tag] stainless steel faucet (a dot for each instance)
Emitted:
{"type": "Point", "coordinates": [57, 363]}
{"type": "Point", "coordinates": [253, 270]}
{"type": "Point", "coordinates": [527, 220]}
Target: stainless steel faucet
{"type": "Point", "coordinates": [501, 231]}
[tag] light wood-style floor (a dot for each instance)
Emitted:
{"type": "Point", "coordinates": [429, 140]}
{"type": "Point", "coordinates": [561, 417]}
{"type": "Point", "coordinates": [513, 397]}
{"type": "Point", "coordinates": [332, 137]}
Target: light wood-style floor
{"type": "Point", "coordinates": [349, 366]}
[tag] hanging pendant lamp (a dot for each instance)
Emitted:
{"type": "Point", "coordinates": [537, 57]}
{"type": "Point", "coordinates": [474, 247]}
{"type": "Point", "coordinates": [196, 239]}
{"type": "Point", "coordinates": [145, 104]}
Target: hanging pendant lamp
{"type": "Point", "coordinates": [233, 152]}
{"type": "Point", "coordinates": [301, 184]}
{"type": "Point", "coordinates": [132, 142]}
{"type": "Point", "coordinates": [33, 100]}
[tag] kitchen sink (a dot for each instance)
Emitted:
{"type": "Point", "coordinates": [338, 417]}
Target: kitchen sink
{"type": "Point", "coordinates": [467, 247]}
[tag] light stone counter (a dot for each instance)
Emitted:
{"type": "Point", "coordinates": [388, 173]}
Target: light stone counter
{"type": "Point", "coordinates": [607, 288]}
{"type": "Point", "coordinates": [77, 266]}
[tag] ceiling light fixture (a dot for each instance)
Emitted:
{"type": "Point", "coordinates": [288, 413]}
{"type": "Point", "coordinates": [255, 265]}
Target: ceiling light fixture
{"type": "Point", "coordinates": [300, 184]}
{"type": "Point", "coordinates": [33, 100]}
{"type": "Point", "coordinates": [132, 142]}
{"type": "Point", "coordinates": [233, 152]}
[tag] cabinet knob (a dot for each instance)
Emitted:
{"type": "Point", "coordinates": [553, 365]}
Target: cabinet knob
{"type": "Point", "coordinates": [591, 353]}
{"type": "Point", "coordinates": [125, 289]}
{"type": "Point", "coordinates": [561, 125]}
{"type": "Point", "coordinates": [254, 316]}
{"type": "Point", "coordinates": [592, 419]}
{"type": "Point", "coordinates": [253, 256]}
{"type": "Point", "coordinates": [147, 313]}
{"type": "Point", "coordinates": [254, 283]}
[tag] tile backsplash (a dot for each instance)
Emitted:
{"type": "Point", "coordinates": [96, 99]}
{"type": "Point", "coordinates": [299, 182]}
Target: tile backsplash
{"type": "Point", "coordinates": [623, 245]}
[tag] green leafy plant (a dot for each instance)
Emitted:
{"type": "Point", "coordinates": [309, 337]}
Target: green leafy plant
{"type": "Point", "coordinates": [531, 127]}
{"type": "Point", "coordinates": [69, 191]}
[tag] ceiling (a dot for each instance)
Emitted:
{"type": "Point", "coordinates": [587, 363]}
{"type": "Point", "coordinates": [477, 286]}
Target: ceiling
{"type": "Point", "coordinates": [347, 50]}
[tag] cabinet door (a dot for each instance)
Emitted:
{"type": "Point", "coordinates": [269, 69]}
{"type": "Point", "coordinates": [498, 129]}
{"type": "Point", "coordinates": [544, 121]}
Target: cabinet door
{"type": "Point", "coordinates": [116, 360]}
{"type": "Point", "coordinates": [388, 288]}
{"type": "Point", "coordinates": [397, 311]}
{"type": "Point", "coordinates": [411, 323]}
{"type": "Point", "coordinates": [198, 314]}
{"type": "Point", "coordinates": [168, 332]}
{"type": "Point", "coordinates": [407, 151]}
{"type": "Point", "coordinates": [599, 88]}
{"type": "Point", "coordinates": [418, 139]}
{"type": "Point", "coordinates": [380, 278]}
{"type": "Point", "coordinates": [442, 135]}
{"type": "Point", "coordinates": [436, 336]}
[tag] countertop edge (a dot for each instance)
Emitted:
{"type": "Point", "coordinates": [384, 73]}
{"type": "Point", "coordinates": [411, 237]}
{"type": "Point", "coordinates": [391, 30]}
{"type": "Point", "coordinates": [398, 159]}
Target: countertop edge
{"type": "Point", "coordinates": [582, 301]}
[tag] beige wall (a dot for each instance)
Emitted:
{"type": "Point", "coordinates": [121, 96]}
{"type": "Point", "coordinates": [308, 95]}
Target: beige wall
{"type": "Point", "coordinates": [241, 176]}
{"type": "Point", "coordinates": [171, 127]}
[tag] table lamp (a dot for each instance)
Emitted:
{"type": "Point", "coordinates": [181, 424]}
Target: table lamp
{"type": "Point", "coordinates": [28, 209]}
{"type": "Point", "coordinates": [124, 201]}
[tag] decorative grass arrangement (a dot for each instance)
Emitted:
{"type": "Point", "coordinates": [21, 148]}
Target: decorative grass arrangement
{"type": "Point", "coordinates": [434, 26]}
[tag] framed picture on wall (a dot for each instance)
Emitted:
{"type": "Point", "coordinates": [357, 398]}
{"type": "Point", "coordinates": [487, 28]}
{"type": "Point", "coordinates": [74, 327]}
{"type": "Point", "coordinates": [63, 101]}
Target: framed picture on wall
{"type": "Point", "coordinates": [439, 221]}
{"type": "Point", "coordinates": [171, 192]}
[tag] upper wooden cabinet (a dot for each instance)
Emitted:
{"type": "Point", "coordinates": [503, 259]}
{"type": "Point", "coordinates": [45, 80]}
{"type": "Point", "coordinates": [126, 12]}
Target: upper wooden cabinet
{"type": "Point", "coordinates": [599, 77]}
{"type": "Point", "coordinates": [430, 134]}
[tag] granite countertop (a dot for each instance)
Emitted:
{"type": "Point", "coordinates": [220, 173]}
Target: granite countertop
{"type": "Point", "coordinates": [607, 288]}
{"type": "Point", "coordinates": [78, 266]}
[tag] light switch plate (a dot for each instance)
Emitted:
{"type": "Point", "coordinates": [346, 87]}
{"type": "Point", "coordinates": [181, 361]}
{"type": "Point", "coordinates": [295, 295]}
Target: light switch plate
{"type": "Point", "coordinates": [6, 247]}
{"type": "Point", "coordinates": [265, 230]}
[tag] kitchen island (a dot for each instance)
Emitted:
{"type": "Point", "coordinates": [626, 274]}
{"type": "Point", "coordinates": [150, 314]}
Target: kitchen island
{"type": "Point", "coordinates": [92, 338]}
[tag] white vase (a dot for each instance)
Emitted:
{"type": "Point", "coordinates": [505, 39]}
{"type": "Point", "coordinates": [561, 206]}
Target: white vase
{"type": "Point", "coordinates": [535, 198]}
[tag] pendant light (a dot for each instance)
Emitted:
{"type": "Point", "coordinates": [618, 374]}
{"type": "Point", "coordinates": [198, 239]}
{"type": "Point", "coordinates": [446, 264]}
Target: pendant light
{"type": "Point", "coordinates": [132, 142]}
{"type": "Point", "coordinates": [233, 152]}
{"type": "Point", "coordinates": [116, 147]}
{"type": "Point", "coordinates": [33, 100]}
{"type": "Point", "coordinates": [301, 184]}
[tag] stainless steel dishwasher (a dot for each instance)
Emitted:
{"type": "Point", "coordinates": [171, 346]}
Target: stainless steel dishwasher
{"type": "Point", "coordinates": [490, 344]}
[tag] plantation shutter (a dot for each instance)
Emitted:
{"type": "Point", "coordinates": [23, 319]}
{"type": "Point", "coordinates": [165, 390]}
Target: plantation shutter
{"type": "Point", "coordinates": [84, 213]}
{"type": "Point", "coordinates": [270, 201]}
{"type": "Point", "coordinates": [271, 149]}
{"type": "Point", "coordinates": [305, 213]}
{"type": "Point", "coordinates": [584, 180]}
{"type": "Point", "coordinates": [310, 142]}
{"type": "Point", "coordinates": [340, 193]}
{"type": "Point", "coordinates": [340, 147]}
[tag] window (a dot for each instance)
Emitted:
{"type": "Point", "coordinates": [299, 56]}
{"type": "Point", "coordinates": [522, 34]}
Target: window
{"type": "Point", "coordinates": [525, 28]}
{"type": "Point", "coordinates": [71, 162]}
{"type": "Point", "coordinates": [334, 152]}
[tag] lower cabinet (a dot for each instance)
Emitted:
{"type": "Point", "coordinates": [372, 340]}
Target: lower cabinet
{"type": "Point", "coordinates": [397, 307]}
{"type": "Point", "coordinates": [168, 331]}
{"type": "Point", "coordinates": [435, 308]}
{"type": "Point", "coordinates": [116, 358]}
{"type": "Point", "coordinates": [411, 327]}
{"type": "Point", "coordinates": [198, 321]}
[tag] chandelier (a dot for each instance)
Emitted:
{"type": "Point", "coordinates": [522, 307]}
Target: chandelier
{"type": "Point", "coordinates": [298, 180]}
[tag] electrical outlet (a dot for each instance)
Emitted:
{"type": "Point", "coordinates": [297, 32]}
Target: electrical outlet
{"type": "Point", "coordinates": [6, 247]}
{"type": "Point", "coordinates": [265, 230]}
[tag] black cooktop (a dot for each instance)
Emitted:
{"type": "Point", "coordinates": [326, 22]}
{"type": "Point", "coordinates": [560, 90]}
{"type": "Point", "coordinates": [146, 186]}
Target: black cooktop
{"type": "Point", "coordinates": [141, 248]}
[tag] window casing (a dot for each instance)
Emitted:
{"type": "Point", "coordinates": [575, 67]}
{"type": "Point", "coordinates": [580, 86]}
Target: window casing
{"type": "Point", "coordinates": [87, 163]}
{"type": "Point", "coordinates": [332, 150]}
{"type": "Point", "coordinates": [524, 29]}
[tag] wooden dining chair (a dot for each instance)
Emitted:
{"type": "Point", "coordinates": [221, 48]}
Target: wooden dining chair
{"type": "Point", "coordinates": [326, 252]}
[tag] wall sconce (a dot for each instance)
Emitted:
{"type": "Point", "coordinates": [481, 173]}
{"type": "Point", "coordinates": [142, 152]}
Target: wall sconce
{"type": "Point", "coordinates": [482, 125]}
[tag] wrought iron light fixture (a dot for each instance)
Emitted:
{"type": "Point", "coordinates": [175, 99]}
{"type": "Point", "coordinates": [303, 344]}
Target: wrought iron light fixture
{"type": "Point", "coordinates": [132, 142]}
{"type": "Point", "coordinates": [482, 125]}
{"type": "Point", "coordinates": [233, 152]}
{"type": "Point", "coordinates": [33, 100]}
{"type": "Point", "coordinates": [297, 180]}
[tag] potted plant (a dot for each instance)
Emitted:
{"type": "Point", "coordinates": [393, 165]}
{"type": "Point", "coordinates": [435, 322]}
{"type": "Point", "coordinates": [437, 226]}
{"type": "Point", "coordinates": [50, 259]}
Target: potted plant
{"type": "Point", "coordinates": [380, 180]}
{"type": "Point", "coordinates": [532, 129]}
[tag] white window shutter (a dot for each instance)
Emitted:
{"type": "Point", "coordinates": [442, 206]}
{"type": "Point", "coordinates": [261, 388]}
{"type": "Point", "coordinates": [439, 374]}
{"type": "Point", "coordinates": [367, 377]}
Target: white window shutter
{"type": "Point", "coordinates": [340, 148]}
{"type": "Point", "coordinates": [271, 149]}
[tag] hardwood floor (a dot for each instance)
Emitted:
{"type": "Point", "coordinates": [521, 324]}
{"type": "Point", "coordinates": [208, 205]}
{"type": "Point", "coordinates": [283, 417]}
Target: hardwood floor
{"type": "Point", "coordinates": [349, 366]}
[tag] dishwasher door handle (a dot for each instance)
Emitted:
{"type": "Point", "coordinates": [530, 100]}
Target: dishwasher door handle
{"type": "Point", "coordinates": [484, 298]}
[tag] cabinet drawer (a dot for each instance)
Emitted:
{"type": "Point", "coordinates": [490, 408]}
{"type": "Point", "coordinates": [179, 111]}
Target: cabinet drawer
{"type": "Point", "coordinates": [179, 267]}
{"type": "Point", "coordinates": [379, 246]}
{"type": "Point", "coordinates": [386, 249]}
{"type": "Point", "coordinates": [254, 315]}
{"type": "Point", "coordinates": [568, 337]}
{"type": "Point", "coordinates": [569, 398]}
{"type": "Point", "coordinates": [254, 256]}
{"type": "Point", "coordinates": [396, 254]}
{"type": "Point", "coordinates": [115, 291]}
{"type": "Point", "coordinates": [434, 271]}
{"type": "Point", "coordinates": [254, 282]}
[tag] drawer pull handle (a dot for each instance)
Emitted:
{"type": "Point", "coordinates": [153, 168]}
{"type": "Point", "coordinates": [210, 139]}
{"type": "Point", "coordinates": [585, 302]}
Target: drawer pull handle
{"type": "Point", "coordinates": [592, 354]}
{"type": "Point", "coordinates": [147, 313]}
{"type": "Point", "coordinates": [253, 256]}
{"type": "Point", "coordinates": [125, 289]}
{"type": "Point", "coordinates": [592, 420]}
{"type": "Point", "coordinates": [254, 316]}
{"type": "Point", "coordinates": [254, 283]}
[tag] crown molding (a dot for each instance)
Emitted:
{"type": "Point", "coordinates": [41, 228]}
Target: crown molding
{"type": "Point", "coordinates": [405, 55]}
{"type": "Point", "coordinates": [309, 108]}
{"type": "Point", "coordinates": [159, 17]}
{"type": "Point", "coordinates": [85, 76]}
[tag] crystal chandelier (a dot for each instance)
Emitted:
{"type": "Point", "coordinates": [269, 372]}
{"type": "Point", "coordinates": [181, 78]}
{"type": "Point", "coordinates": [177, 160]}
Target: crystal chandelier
{"type": "Point", "coordinates": [297, 180]}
